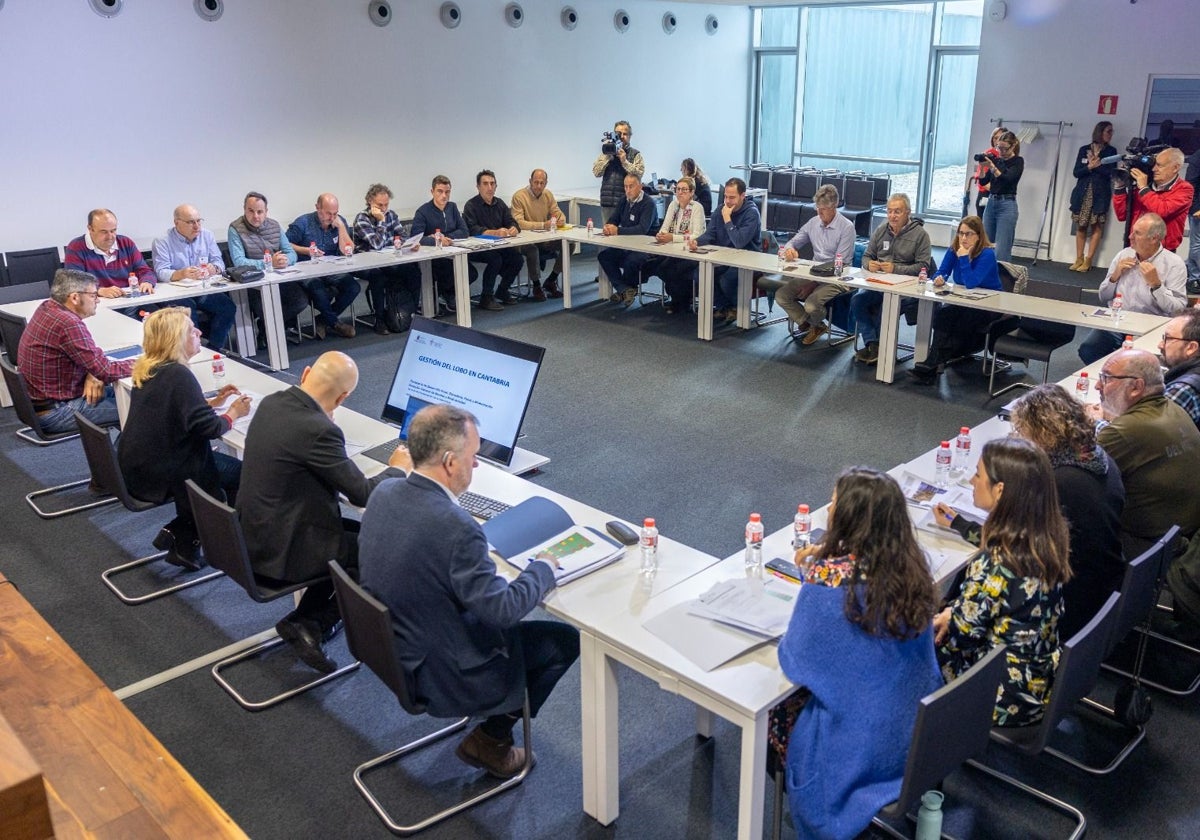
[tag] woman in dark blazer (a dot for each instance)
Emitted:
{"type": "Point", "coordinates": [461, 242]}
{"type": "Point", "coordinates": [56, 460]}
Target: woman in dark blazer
{"type": "Point", "coordinates": [1092, 195]}
{"type": "Point", "coordinates": [168, 434]}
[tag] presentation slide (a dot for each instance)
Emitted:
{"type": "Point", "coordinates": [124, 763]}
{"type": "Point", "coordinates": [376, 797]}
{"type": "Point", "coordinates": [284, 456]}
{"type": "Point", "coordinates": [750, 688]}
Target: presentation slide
{"type": "Point", "coordinates": [492, 386]}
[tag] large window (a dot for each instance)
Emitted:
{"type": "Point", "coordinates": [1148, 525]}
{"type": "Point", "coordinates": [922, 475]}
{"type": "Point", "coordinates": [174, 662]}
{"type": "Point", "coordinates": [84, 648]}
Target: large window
{"type": "Point", "coordinates": [887, 87]}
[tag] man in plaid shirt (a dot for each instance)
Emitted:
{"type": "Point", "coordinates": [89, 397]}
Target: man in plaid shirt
{"type": "Point", "coordinates": [63, 368]}
{"type": "Point", "coordinates": [1179, 350]}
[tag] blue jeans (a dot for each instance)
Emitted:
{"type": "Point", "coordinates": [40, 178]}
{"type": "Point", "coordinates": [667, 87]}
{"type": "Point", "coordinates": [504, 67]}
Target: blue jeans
{"type": "Point", "coordinates": [725, 285]}
{"type": "Point", "coordinates": [1000, 224]}
{"type": "Point", "coordinates": [61, 418]}
{"type": "Point", "coordinates": [1098, 345]}
{"type": "Point", "coordinates": [867, 307]}
{"type": "Point", "coordinates": [221, 312]}
{"type": "Point", "coordinates": [345, 289]}
{"type": "Point", "coordinates": [1193, 260]}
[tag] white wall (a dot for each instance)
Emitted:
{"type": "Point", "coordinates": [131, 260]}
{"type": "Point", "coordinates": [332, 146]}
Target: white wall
{"type": "Point", "coordinates": [1052, 60]}
{"type": "Point", "coordinates": [292, 97]}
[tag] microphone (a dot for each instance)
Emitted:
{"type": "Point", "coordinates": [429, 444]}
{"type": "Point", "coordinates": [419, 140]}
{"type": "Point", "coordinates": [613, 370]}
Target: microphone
{"type": "Point", "coordinates": [1105, 161]}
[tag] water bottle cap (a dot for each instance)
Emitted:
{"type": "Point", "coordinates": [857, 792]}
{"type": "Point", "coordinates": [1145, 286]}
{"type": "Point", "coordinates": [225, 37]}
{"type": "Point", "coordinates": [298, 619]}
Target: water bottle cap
{"type": "Point", "coordinates": [216, 357]}
{"type": "Point", "coordinates": [648, 522]}
{"type": "Point", "coordinates": [965, 430]}
{"type": "Point", "coordinates": [1083, 374]}
{"type": "Point", "coordinates": [802, 509]}
{"type": "Point", "coordinates": [1129, 338]}
{"type": "Point", "coordinates": [945, 444]}
{"type": "Point", "coordinates": [754, 517]}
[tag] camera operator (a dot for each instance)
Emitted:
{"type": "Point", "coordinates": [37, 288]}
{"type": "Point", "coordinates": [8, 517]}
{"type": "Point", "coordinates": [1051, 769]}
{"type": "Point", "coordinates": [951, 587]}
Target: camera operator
{"type": "Point", "coordinates": [617, 159]}
{"type": "Point", "coordinates": [1193, 260]}
{"type": "Point", "coordinates": [1001, 174]}
{"type": "Point", "coordinates": [1168, 195]}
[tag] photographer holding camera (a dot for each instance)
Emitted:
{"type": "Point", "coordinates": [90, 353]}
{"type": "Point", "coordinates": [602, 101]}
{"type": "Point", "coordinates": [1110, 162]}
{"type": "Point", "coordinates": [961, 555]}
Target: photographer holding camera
{"type": "Point", "coordinates": [1001, 175]}
{"type": "Point", "coordinates": [1168, 195]}
{"type": "Point", "coordinates": [617, 159]}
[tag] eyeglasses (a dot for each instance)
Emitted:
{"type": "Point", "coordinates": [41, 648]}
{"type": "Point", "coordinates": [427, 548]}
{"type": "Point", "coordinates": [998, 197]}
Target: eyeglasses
{"type": "Point", "coordinates": [683, 189]}
{"type": "Point", "coordinates": [191, 221]}
{"type": "Point", "coordinates": [1167, 338]}
{"type": "Point", "coordinates": [967, 233]}
{"type": "Point", "coordinates": [1108, 377]}
{"type": "Point", "coordinates": [93, 293]}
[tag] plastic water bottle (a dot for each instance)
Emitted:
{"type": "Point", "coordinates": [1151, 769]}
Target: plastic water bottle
{"type": "Point", "coordinates": [591, 226]}
{"type": "Point", "coordinates": [837, 264]}
{"type": "Point", "coordinates": [687, 240]}
{"type": "Point", "coordinates": [929, 816]}
{"type": "Point", "coordinates": [942, 471]}
{"type": "Point", "coordinates": [312, 251]}
{"type": "Point", "coordinates": [134, 291]}
{"type": "Point", "coordinates": [268, 266]}
{"type": "Point", "coordinates": [801, 528]}
{"type": "Point", "coordinates": [782, 258]}
{"type": "Point", "coordinates": [1127, 344]}
{"type": "Point", "coordinates": [649, 544]}
{"type": "Point", "coordinates": [218, 368]}
{"type": "Point", "coordinates": [754, 538]}
{"type": "Point", "coordinates": [397, 243]}
{"type": "Point", "coordinates": [437, 238]}
{"type": "Point", "coordinates": [1118, 306]}
{"type": "Point", "coordinates": [1082, 386]}
{"type": "Point", "coordinates": [962, 452]}
{"type": "Point", "coordinates": [923, 277]}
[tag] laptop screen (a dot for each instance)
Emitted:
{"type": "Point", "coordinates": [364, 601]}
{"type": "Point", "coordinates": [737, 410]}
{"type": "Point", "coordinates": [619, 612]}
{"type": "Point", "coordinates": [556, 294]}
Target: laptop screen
{"type": "Point", "coordinates": [488, 375]}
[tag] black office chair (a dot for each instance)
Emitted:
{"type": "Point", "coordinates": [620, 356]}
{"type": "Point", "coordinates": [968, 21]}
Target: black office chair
{"type": "Point", "coordinates": [371, 638]}
{"type": "Point", "coordinates": [782, 210]}
{"type": "Point", "coordinates": [40, 437]}
{"type": "Point", "coordinates": [34, 266]}
{"type": "Point", "coordinates": [1032, 339]}
{"type": "Point", "coordinates": [952, 726]}
{"type": "Point", "coordinates": [12, 327]}
{"type": "Point", "coordinates": [1139, 592]}
{"type": "Point", "coordinates": [225, 548]}
{"type": "Point", "coordinates": [882, 189]}
{"type": "Point", "coordinates": [858, 205]}
{"type": "Point", "coordinates": [107, 475]}
{"type": "Point", "coordinates": [1078, 666]}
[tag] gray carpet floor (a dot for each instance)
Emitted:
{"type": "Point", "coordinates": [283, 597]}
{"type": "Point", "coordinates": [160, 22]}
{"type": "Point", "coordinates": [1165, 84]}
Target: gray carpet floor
{"type": "Point", "coordinates": [640, 419]}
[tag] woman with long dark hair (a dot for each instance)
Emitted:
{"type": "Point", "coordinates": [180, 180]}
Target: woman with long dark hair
{"type": "Point", "coordinates": [1001, 174]}
{"type": "Point", "coordinates": [1092, 196]}
{"type": "Point", "coordinates": [690, 169]}
{"type": "Point", "coordinates": [1012, 593]}
{"type": "Point", "coordinates": [860, 642]}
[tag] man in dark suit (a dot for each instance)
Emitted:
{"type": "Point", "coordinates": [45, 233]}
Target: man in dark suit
{"type": "Point", "coordinates": [458, 624]}
{"type": "Point", "coordinates": [294, 468]}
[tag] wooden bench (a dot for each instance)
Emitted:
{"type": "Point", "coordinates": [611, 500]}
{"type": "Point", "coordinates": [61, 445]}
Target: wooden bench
{"type": "Point", "coordinates": [104, 773]}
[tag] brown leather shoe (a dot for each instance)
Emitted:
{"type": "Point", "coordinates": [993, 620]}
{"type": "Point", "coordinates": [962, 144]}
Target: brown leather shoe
{"type": "Point", "coordinates": [814, 333]}
{"type": "Point", "coordinates": [345, 330]}
{"type": "Point", "coordinates": [551, 287]}
{"type": "Point", "coordinates": [499, 758]}
{"type": "Point", "coordinates": [536, 292]}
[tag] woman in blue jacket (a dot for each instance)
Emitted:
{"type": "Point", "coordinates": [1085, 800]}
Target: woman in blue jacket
{"type": "Point", "coordinates": [860, 642]}
{"type": "Point", "coordinates": [971, 263]}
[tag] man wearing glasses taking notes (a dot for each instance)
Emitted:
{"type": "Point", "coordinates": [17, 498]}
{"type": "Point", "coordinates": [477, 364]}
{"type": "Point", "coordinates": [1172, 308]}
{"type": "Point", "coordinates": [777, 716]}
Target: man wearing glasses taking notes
{"type": "Point", "coordinates": [1179, 350]}
{"type": "Point", "coordinates": [1149, 278]}
{"type": "Point", "coordinates": [64, 370]}
{"type": "Point", "coordinates": [1156, 445]}
{"type": "Point", "coordinates": [189, 251]}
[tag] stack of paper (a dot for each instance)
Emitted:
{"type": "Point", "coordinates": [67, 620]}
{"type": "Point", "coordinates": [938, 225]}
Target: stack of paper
{"type": "Point", "coordinates": [757, 605]}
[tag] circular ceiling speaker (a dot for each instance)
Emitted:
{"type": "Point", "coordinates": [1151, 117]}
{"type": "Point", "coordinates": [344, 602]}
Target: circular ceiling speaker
{"type": "Point", "coordinates": [514, 15]}
{"type": "Point", "coordinates": [569, 18]}
{"type": "Point", "coordinates": [621, 21]}
{"type": "Point", "coordinates": [451, 15]}
{"type": "Point", "coordinates": [669, 22]}
{"type": "Point", "coordinates": [106, 8]}
{"type": "Point", "coordinates": [209, 10]}
{"type": "Point", "coordinates": [710, 24]}
{"type": "Point", "coordinates": [380, 12]}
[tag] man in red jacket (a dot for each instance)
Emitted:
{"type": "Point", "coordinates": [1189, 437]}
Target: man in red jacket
{"type": "Point", "coordinates": [1169, 196]}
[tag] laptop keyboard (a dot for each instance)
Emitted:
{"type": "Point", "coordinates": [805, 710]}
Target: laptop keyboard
{"type": "Point", "coordinates": [383, 452]}
{"type": "Point", "coordinates": [481, 507]}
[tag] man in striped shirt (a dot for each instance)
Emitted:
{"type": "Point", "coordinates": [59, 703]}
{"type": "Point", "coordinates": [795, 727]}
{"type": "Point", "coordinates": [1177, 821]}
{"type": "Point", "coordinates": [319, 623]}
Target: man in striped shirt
{"type": "Point", "coordinates": [109, 257]}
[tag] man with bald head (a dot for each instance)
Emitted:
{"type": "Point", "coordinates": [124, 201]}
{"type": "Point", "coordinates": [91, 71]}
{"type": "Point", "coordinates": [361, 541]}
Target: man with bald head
{"type": "Point", "coordinates": [535, 208]}
{"type": "Point", "coordinates": [294, 468]}
{"type": "Point", "coordinates": [314, 235]}
{"type": "Point", "coordinates": [1156, 445]}
{"type": "Point", "coordinates": [108, 256]}
{"type": "Point", "coordinates": [188, 251]}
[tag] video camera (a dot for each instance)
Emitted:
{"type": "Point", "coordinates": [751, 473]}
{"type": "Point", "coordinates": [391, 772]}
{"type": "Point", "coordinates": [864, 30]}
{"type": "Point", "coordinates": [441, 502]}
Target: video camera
{"type": "Point", "coordinates": [610, 144]}
{"type": "Point", "coordinates": [1139, 154]}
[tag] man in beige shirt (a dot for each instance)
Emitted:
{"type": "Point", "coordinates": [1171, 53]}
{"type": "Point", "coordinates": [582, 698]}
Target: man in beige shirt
{"type": "Point", "coordinates": [535, 208]}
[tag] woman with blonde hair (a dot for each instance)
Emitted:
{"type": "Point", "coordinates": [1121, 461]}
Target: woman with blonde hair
{"type": "Point", "coordinates": [168, 433]}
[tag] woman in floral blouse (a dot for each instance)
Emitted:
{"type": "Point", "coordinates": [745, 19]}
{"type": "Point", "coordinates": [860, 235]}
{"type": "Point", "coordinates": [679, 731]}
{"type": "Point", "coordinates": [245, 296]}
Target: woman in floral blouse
{"type": "Point", "coordinates": [1012, 592]}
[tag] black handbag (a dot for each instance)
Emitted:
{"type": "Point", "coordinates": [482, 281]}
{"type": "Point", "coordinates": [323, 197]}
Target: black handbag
{"type": "Point", "coordinates": [824, 269]}
{"type": "Point", "coordinates": [243, 274]}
